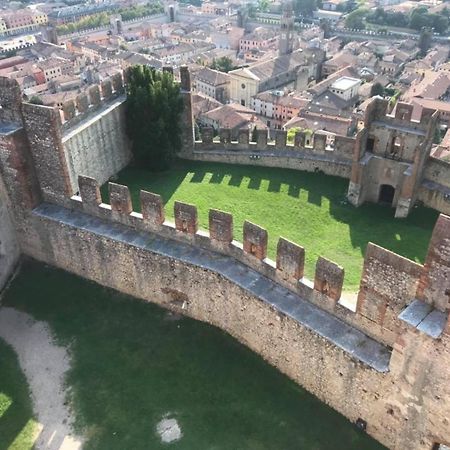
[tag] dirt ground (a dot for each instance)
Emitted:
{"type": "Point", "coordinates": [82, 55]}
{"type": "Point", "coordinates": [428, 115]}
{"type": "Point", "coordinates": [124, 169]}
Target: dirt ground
{"type": "Point", "coordinates": [44, 365]}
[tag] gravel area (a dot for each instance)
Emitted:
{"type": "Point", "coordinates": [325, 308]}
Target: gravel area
{"type": "Point", "coordinates": [44, 365]}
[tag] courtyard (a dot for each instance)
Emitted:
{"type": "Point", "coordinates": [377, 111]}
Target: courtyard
{"type": "Point", "coordinates": [308, 208]}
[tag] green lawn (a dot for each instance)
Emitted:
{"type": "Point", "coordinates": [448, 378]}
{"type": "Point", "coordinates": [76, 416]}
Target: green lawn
{"type": "Point", "coordinates": [134, 364]}
{"type": "Point", "coordinates": [307, 208]}
{"type": "Point", "coordinates": [17, 425]}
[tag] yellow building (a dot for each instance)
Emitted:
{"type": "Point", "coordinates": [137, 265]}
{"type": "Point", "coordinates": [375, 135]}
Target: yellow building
{"type": "Point", "coordinates": [40, 18]}
{"type": "Point", "coordinates": [3, 27]}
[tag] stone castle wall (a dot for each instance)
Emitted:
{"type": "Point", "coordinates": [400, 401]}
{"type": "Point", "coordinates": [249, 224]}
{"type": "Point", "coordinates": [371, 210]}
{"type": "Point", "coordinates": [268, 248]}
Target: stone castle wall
{"type": "Point", "coordinates": [9, 247]}
{"type": "Point", "coordinates": [297, 325]}
{"type": "Point", "coordinates": [384, 363]}
{"type": "Point", "coordinates": [98, 146]}
{"type": "Point", "coordinates": [93, 132]}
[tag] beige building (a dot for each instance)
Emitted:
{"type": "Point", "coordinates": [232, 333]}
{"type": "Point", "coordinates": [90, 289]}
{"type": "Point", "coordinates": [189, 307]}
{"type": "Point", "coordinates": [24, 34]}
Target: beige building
{"type": "Point", "coordinates": [14, 22]}
{"type": "Point", "coordinates": [213, 83]}
{"type": "Point", "coordinates": [296, 69]}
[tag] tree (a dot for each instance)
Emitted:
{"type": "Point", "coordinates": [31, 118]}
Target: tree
{"type": "Point", "coordinates": [425, 41]}
{"type": "Point", "coordinates": [377, 89]}
{"type": "Point", "coordinates": [223, 64]}
{"type": "Point", "coordinates": [440, 23]}
{"type": "Point", "coordinates": [325, 25]}
{"type": "Point", "coordinates": [153, 113]}
{"type": "Point", "coordinates": [355, 19]}
{"type": "Point", "coordinates": [263, 5]}
{"type": "Point", "coordinates": [36, 100]}
{"type": "Point", "coordinates": [305, 7]}
{"type": "Point", "coordinates": [254, 134]}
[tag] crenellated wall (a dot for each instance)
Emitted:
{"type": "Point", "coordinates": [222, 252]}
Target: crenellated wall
{"type": "Point", "coordinates": [383, 363]}
{"type": "Point", "coordinates": [308, 153]}
{"type": "Point", "coordinates": [93, 132]}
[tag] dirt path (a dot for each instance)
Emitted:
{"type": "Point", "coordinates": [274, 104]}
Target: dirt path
{"type": "Point", "coordinates": [44, 365]}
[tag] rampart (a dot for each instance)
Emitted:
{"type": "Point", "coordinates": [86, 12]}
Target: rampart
{"type": "Point", "coordinates": [93, 132]}
{"type": "Point", "coordinates": [391, 149]}
{"type": "Point", "coordinates": [383, 364]}
{"type": "Point", "coordinates": [9, 247]}
{"type": "Point", "coordinates": [310, 153]}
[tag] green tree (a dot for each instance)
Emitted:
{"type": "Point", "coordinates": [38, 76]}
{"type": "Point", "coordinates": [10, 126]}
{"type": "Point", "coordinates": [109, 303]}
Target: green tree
{"type": "Point", "coordinates": [153, 113]}
{"type": "Point", "coordinates": [36, 100]}
{"type": "Point", "coordinates": [355, 19]}
{"type": "Point", "coordinates": [325, 25]}
{"type": "Point", "coordinates": [440, 23]}
{"type": "Point", "coordinates": [425, 41]}
{"type": "Point", "coordinates": [223, 64]}
{"type": "Point", "coordinates": [263, 5]}
{"type": "Point", "coordinates": [254, 137]}
{"type": "Point", "coordinates": [377, 89]}
{"type": "Point", "coordinates": [305, 7]}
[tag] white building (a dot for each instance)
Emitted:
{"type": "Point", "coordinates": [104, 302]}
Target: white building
{"type": "Point", "coordinates": [346, 87]}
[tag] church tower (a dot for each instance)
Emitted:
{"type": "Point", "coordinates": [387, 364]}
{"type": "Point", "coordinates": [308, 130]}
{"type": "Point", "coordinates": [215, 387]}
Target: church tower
{"type": "Point", "coordinates": [285, 45]}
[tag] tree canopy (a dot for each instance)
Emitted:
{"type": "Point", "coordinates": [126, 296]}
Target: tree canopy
{"type": "Point", "coordinates": [153, 117]}
{"type": "Point", "coordinates": [355, 19]}
{"type": "Point", "coordinates": [418, 19]}
{"type": "Point", "coordinates": [222, 64]}
{"type": "Point", "coordinates": [305, 7]}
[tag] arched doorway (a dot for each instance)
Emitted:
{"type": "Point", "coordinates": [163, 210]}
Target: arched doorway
{"type": "Point", "coordinates": [387, 193]}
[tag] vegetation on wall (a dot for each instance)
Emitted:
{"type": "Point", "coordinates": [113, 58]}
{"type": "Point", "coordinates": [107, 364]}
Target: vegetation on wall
{"type": "Point", "coordinates": [102, 19]}
{"type": "Point", "coordinates": [153, 113]}
{"type": "Point", "coordinates": [293, 131]}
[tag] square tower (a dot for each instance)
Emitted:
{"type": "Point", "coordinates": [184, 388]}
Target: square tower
{"type": "Point", "coordinates": [390, 154]}
{"type": "Point", "coordinates": [286, 43]}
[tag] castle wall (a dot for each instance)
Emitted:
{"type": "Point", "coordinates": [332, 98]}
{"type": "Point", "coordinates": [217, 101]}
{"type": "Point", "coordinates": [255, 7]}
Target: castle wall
{"type": "Point", "coordinates": [381, 171]}
{"type": "Point", "coordinates": [402, 409]}
{"type": "Point", "coordinates": [298, 162]}
{"type": "Point", "coordinates": [434, 191]}
{"type": "Point", "coordinates": [9, 247]}
{"type": "Point", "coordinates": [438, 171]}
{"type": "Point", "coordinates": [97, 146]}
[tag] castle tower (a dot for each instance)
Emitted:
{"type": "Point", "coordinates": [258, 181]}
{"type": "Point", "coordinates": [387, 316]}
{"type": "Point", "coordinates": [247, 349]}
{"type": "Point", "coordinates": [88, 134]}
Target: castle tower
{"type": "Point", "coordinates": [285, 44]}
{"type": "Point", "coordinates": [390, 155]}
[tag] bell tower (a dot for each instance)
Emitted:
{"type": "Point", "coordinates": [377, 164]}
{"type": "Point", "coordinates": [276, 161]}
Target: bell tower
{"type": "Point", "coordinates": [285, 45]}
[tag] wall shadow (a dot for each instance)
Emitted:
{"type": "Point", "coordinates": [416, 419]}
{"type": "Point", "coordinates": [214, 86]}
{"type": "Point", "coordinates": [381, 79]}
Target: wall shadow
{"type": "Point", "coordinates": [407, 237]}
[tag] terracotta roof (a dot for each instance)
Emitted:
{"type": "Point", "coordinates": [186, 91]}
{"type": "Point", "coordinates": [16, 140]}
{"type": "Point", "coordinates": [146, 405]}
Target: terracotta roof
{"type": "Point", "coordinates": [433, 85]}
{"type": "Point", "coordinates": [321, 87]}
{"type": "Point", "coordinates": [212, 77]}
{"type": "Point", "coordinates": [234, 116]}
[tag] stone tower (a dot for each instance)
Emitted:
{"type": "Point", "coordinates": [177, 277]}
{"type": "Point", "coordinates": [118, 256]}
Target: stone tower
{"type": "Point", "coordinates": [389, 156]}
{"type": "Point", "coordinates": [285, 45]}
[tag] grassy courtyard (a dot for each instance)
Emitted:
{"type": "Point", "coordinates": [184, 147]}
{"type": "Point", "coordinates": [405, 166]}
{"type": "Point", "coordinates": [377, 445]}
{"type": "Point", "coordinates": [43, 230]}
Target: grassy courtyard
{"type": "Point", "coordinates": [134, 364]}
{"type": "Point", "coordinates": [17, 424]}
{"type": "Point", "coordinates": [307, 208]}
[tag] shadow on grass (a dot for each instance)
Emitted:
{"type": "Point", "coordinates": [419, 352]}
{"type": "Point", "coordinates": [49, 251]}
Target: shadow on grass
{"type": "Point", "coordinates": [408, 237]}
{"type": "Point", "coordinates": [15, 417]}
{"type": "Point", "coordinates": [134, 363]}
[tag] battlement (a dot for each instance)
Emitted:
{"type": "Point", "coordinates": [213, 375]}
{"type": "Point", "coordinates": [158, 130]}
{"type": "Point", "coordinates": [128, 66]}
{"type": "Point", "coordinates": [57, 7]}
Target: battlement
{"type": "Point", "coordinates": [401, 115]}
{"type": "Point", "coordinates": [320, 142]}
{"type": "Point", "coordinates": [97, 95]}
{"type": "Point", "coordinates": [389, 282]}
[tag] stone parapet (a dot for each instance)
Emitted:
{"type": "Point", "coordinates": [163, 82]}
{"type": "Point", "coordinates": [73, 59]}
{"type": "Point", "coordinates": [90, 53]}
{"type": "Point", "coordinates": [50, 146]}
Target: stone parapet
{"type": "Point", "coordinates": [389, 281]}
